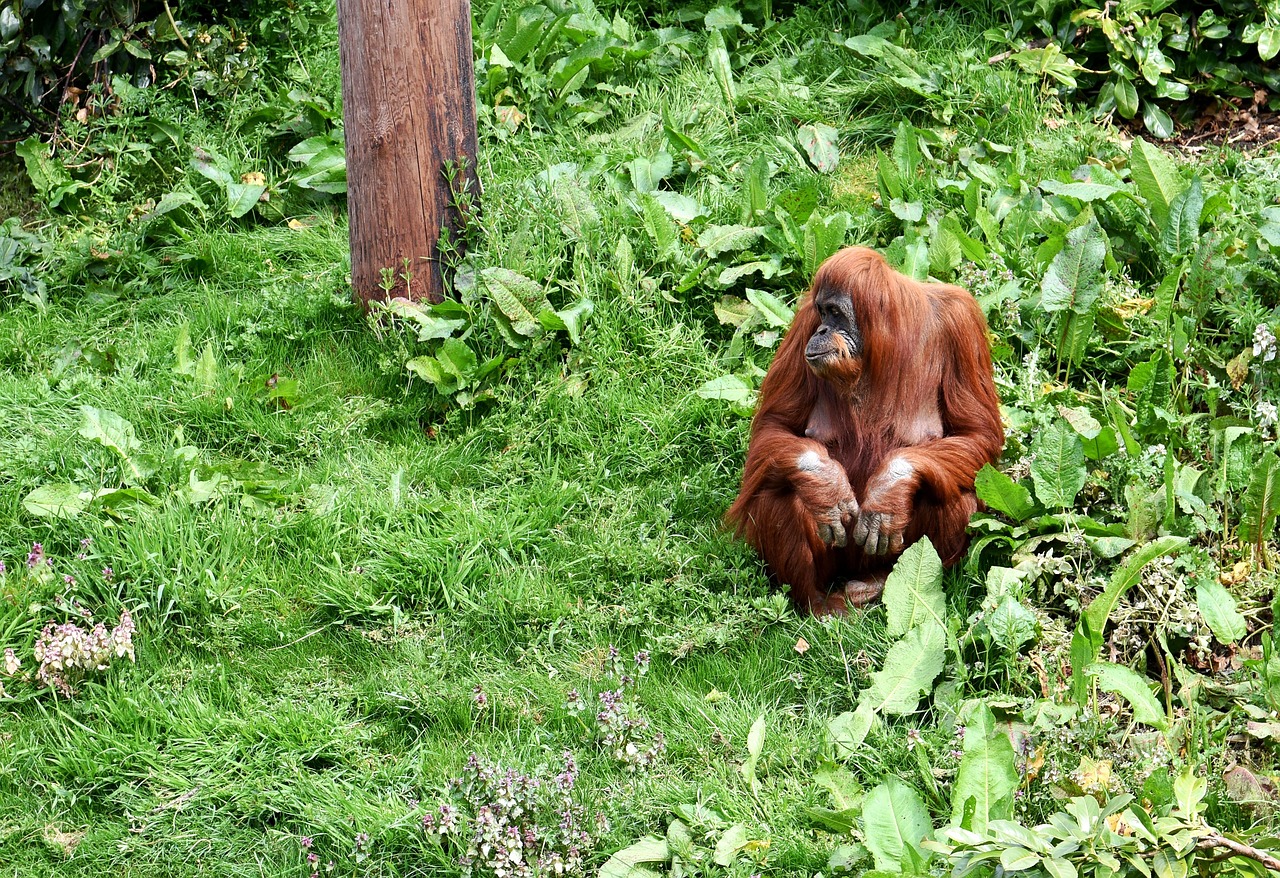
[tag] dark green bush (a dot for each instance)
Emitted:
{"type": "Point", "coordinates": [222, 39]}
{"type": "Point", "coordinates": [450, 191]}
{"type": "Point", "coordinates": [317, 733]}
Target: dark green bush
{"type": "Point", "coordinates": [1160, 58]}
{"type": "Point", "coordinates": [59, 52]}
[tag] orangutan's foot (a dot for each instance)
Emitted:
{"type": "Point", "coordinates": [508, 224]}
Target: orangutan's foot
{"type": "Point", "coordinates": [865, 590]}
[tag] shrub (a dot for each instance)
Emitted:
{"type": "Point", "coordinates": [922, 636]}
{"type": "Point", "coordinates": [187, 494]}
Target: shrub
{"type": "Point", "coordinates": [1152, 56]}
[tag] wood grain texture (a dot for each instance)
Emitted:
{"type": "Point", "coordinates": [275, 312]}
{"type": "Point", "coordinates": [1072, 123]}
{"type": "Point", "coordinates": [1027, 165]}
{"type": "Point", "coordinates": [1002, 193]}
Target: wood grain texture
{"type": "Point", "coordinates": [408, 97]}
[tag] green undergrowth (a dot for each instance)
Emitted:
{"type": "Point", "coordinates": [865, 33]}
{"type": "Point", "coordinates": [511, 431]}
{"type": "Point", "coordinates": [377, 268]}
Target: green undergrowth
{"type": "Point", "coordinates": [357, 554]}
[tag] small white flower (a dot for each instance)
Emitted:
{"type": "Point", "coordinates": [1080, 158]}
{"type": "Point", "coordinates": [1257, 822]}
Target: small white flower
{"type": "Point", "coordinates": [1266, 414]}
{"type": "Point", "coordinates": [1264, 343]}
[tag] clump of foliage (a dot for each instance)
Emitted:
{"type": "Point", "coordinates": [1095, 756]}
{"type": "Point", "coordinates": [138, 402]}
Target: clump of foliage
{"type": "Point", "coordinates": [63, 653]}
{"type": "Point", "coordinates": [1151, 56]}
{"type": "Point", "coordinates": [75, 56]}
{"type": "Point", "coordinates": [504, 823]}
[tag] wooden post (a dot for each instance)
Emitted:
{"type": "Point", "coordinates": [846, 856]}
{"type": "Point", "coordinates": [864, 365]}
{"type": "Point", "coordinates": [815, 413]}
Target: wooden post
{"type": "Point", "coordinates": [408, 98]}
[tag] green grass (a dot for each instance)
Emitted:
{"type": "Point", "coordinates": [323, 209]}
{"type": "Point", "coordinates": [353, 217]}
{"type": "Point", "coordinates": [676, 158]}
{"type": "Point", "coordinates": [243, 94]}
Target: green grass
{"type": "Point", "coordinates": [307, 668]}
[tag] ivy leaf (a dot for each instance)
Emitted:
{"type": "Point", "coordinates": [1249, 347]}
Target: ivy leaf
{"type": "Point", "coordinates": [894, 822]}
{"type": "Point", "coordinates": [1133, 688]}
{"type": "Point", "coordinates": [987, 777]}
{"type": "Point", "coordinates": [1058, 471]}
{"type": "Point", "coordinates": [1218, 608]}
{"type": "Point", "coordinates": [910, 668]}
{"type": "Point", "coordinates": [913, 591]}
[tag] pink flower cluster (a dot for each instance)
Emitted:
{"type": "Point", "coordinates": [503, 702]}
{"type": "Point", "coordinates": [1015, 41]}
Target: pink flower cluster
{"type": "Point", "coordinates": [67, 652]}
{"type": "Point", "coordinates": [519, 825]}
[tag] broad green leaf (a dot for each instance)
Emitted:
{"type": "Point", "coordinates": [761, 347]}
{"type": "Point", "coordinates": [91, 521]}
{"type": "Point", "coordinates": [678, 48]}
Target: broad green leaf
{"type": "Point", "coordinates": [822, 144]}
{"type": "Point", "coordinates": [578, 214]}
{"type": "Point", "coordinates": [845, 791]}
{"type": "Point", "coordinates": [1058, 471]}
{"type": "Point", "coordinates": [517, 297]}
{"type": "Point", "coordinates": [458, 360]}
{"type": "Point", "coordinates": [908, 212]}
{"type": "Point", "coordinates": [1126, 98]}
{"type": "Point", "coordinates": [945, 253]}
{"type": "Point", "coordinates": [45, 172]}
{"type": "Point", "coordinates": [647, 172]}
{"type": "Point", "coordinates": [1167, 292]}
{"type": "Point", "coordinates": [681, 208]}
{"type": "Point", "coordinates": [913, 591]}
{"type": "Point", "coordinates": [723, 239]}
{"type": "Point", "coordinates": [823, 236]}
{"type": "Point", "coordinates": [727, 847]}
{"type": "Point", "coordinates": [1156, 120]}
{"type": "Point", "coordinates": [894, 820]}
{"type": "Point", "coordinates": [626, 863]}
{"type": "Point", "coordinates": [1133, 688]}
{"type": "Point", "coordinates": [429, 370]}
{"type": "Point", "coordinates": [910, 668]}
{"type": "Point", "coordinates": [1269, 42]}
{"type": "Point", "coordinates": [1152, 382]}
{"type": "Point", "coordinates": [1218, 608]}
{"type": "Point", "coordinates": [1156, 179]}
{"type": "Point", "coordinates": [575, 317]}
{"type": "Point", "coordinates": [183, 364]}
{"type": "Point", "coordinates": [888, 179]}
{"type": "Point", "coordinates": [766, 268]}
{"type": "Point", "coordinates": [1074, 278]}
{"type": "Point", "coordinates": [1003, 494]}
{"type": "Point", "coordinates": [987, 775]}
{"type": "Point", "coordinates": [56, 501]}
{"type": "Point", "coordinates": [1189, 790]}
{"type": "Point", "coordinates": [241, 197]}
{"type": "Point", "coordinates": [1011, 624]}
{"type": "Point", "coordinates": [721, 68]}
{"type": "Point", "coordinates": [1083, 191]}
{"type": "Point", "coordinates": [1182, 229]}
{"type": "Point", "coordinates": [773, 309]}
{"type": "Point", "coordinates": [755, 746]}
{"type": "Point", "coordinates": [1262, 502]}
{"type": "Point", "coordinates": [1084, 423]}
{"type": "Point", "coordinates": [109, 429]}
{"type": "Point", "coordinates": [727, 387]}
{"type": "Point", "coordinates": [722, 18]}
{"type": "Point", "coordinates": [847, 731]}
{"type": "Point", "coordinates": [206, 374]}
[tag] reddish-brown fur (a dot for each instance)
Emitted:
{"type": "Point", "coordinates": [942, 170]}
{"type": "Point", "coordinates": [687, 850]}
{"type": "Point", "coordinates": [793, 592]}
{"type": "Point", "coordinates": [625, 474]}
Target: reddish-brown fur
{"type": "Point", "coordinates": [921, 394]}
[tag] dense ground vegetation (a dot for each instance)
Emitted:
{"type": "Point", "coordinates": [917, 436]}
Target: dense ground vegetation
{"type": "Point", "coordinates": [288, 589]}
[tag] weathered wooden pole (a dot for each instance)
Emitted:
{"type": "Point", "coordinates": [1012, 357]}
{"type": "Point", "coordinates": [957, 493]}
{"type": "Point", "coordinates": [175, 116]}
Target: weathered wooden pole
{"type": "Point", "coordinates": [408, 99]}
